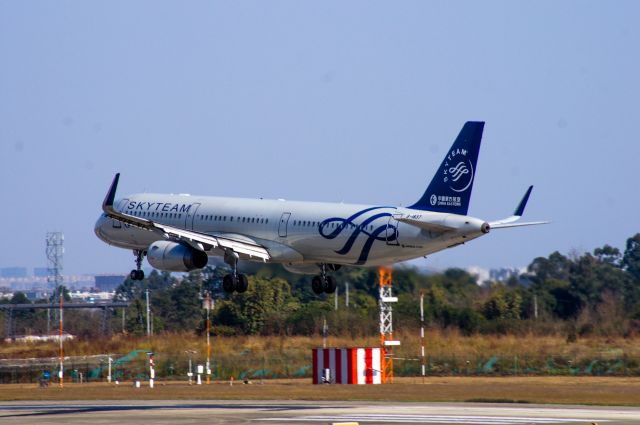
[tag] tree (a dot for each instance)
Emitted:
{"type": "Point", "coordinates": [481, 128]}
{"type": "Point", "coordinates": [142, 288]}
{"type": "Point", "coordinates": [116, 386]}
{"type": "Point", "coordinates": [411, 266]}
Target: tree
{"type": "Point", "coordinates": [264, 307]}
{"type": "Point", "coordinates": [609, 255]}
{"type": "Point", "coordinates": [631, 258]}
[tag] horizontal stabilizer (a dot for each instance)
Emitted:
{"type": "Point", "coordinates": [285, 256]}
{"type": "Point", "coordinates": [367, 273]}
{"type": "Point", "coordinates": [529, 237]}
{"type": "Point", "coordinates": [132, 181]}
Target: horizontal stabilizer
{"type": "Point", "coordinates": [507, 225]}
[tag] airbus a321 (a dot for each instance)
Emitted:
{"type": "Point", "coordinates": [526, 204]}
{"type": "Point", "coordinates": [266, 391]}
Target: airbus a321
{"type": "Point", "coordinates": [180, 232]}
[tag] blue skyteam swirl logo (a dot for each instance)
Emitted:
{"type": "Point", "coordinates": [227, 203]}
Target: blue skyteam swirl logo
{"type": "Point", "coordinates": [385, 232]}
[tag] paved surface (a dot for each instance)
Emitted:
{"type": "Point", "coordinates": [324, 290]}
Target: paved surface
{"type": "Point", "coordinates": [307, 412]}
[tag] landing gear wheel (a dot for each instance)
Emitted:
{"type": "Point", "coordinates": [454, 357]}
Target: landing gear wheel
{"type": "Point", "coordinates": [330, 284]}
{"type": "Point", "coordinates": [243, 283]}
{"type": "Point", "coordinates": [136, 275]}
{"type": "Point", "coordinates": [316, 285]}
{"type": "Point", "coordinates": [229, 283]}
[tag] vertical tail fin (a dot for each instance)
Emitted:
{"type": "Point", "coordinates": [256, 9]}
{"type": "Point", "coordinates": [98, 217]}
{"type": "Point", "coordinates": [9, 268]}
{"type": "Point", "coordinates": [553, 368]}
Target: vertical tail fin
{"type": "Point", "coordinates": [450, 189]}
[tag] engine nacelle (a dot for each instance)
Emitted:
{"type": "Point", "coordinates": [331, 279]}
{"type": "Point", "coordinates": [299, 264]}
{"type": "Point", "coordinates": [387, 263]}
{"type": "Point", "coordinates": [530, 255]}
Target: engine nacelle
{"type": "Point", "coordinates": [175, 257]}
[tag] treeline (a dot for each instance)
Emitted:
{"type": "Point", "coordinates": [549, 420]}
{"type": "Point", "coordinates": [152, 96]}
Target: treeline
{"type": "Point", "coordinates": [590, 294]}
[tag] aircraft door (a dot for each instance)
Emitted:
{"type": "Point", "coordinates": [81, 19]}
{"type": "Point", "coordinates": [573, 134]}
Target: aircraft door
{"type": "Point", "coordinates": [284, 222]}
{"type": "Point", "coordinates": [392, 232]}
{"type": "Point", "coordinates": [117, 224]}
{"type": "Point", "coordinates": [190, 217]}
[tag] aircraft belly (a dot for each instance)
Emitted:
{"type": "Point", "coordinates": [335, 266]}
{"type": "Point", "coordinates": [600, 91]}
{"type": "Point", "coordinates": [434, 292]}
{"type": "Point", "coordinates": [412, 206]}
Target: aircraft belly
{"type": "Point", "coordinates": [362, 251]}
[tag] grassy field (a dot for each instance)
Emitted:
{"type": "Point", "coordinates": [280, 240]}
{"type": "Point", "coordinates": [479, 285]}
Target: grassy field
{"type": "Point", "coordinates": [561, 390]}
{"type": "Point", "coordinates": [448, 353]}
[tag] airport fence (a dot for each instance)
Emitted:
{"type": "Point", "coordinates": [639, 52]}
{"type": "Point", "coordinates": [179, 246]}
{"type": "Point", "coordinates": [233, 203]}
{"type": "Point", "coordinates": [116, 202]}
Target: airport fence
{"type": "Point", "coordinates": [253, 366]}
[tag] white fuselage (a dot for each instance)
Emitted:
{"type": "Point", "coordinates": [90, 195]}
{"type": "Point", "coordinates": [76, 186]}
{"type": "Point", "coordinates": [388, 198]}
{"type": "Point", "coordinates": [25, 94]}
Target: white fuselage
{"type": "Point", "coordinates": [294, 233]}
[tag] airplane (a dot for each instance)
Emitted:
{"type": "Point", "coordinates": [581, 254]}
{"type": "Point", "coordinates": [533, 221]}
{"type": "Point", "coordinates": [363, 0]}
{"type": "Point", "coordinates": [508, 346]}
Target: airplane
{"type": "Point", "coordinates": [180, 232]}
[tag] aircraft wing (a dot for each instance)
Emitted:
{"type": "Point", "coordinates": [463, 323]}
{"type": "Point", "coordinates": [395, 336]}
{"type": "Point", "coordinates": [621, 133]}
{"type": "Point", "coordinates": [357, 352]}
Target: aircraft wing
{"type": "Point", "coordinates": [197, 240]}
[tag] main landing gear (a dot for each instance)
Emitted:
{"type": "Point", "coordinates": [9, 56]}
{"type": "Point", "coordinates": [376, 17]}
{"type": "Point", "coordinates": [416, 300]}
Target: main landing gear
{"type": "Point", "coordinates": [324, 282]}
{"type": "Point", "coordinates": [234, 281]}
{"type": "Point", "coordinates": [137, 273]}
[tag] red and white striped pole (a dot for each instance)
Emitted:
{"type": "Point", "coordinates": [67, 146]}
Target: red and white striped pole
{"type": "Point", "coordinates": [422, 333]}
{"type": "Point", "coordinates": [152, 370]}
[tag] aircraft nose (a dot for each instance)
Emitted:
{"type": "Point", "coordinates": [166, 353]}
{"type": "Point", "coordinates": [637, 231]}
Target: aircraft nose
{"type": "Point", "coordinates": [98, 230]}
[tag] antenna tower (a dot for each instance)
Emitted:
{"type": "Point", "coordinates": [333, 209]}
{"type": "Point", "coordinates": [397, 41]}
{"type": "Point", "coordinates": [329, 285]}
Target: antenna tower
{"type": "Point", "coordinates": [55, 251]}
{"type": "Point", "coordinates": [386, 323]}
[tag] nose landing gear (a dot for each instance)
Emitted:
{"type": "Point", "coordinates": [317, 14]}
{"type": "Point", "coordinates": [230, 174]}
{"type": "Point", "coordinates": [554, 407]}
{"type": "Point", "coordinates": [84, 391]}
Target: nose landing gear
{"type": "Point", "coordinates": [138, 273]}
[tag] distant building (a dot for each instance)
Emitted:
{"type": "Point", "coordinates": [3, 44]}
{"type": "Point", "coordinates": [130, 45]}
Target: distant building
{"type": "Point", "coordinates": [37, 294]}
{"type": "Point", "coordinates": [481, 275]}
{"type": "Point", "coordinates": [505, 273]}
{"type": "Point", "coordinates": [501, 275]}
{"type": "Point", "coordinates": [38, 338]}
{"type": "Point", "coordinates": [40, 271]}
{"type": "Point", "coordinates": [109, 283]}
{"type": "Point", "coordinates": [13, 272]}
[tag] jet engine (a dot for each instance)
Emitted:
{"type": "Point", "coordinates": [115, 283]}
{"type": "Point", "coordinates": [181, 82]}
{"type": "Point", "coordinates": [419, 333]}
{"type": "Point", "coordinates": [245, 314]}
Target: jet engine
{"type": "Point", "coordinates": [175, 257]}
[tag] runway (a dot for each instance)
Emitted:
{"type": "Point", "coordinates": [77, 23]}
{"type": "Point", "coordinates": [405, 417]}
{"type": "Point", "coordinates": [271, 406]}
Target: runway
{"type": "Point", "coordinates": [308, 412]}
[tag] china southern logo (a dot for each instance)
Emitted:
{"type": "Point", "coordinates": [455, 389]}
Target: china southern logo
{"type": "Point", "coordinates": [458, 170]}
{"type": "Point", "coordinates": [433, 199]}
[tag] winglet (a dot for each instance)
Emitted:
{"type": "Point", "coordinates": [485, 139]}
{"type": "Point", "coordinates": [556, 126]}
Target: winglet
{"type": "Point", "coordinates": [523, 203]}
{"type": "Point", "coordinates": [107, 204]}
{"type": "Point", "coordinates": [517, 214]}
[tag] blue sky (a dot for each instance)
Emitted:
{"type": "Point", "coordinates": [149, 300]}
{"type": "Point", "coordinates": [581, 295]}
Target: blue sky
{"type": "Point", "coordinates": [331, 101]}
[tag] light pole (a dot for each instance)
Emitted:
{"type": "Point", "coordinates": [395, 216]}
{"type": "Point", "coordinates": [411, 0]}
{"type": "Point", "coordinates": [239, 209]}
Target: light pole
{"type": "Point", "coordinates": [208, 304]}
{"type": "Point", "coordinates": [190, 373]}
{"type": "Point", "coordinates": [148, 311]}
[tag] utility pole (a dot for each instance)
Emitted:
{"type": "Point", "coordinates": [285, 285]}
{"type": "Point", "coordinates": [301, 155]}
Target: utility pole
{"type": "Point", "coordinates": [335, 300]}
{"type": "Point", "coordinates": [346, 299]}
{"type": "Point", "coordinates": [325, 331]}
{"type": "Point", "coordinates": [148, 315]}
